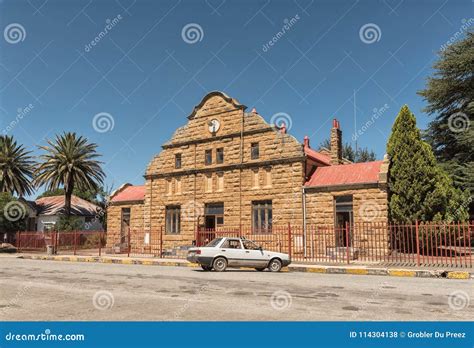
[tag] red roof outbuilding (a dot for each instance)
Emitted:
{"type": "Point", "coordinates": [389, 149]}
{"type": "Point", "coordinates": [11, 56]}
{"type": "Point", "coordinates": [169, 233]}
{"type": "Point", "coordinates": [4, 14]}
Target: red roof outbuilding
{"type": "Point", "coordinates": [346, 174]}
{"type": "Point", "coordinates": [129, 193]}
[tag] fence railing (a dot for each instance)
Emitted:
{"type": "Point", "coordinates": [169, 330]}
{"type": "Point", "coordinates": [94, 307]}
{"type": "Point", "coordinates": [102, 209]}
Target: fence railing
{"type": "Point", "coordinates": [417, 244]}
{"type": "Point", "coordinates": [75, 242]}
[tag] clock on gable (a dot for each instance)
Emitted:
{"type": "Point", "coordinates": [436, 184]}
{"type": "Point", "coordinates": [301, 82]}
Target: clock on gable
{"type": "Point", "coordinates": [213, 125]}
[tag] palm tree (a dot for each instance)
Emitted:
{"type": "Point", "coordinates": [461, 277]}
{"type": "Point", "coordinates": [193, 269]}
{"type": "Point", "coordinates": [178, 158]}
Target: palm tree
{"type": "Point", "coordinates": [69, 162]}
{"type": "Point", "coordinates": [16, 167]}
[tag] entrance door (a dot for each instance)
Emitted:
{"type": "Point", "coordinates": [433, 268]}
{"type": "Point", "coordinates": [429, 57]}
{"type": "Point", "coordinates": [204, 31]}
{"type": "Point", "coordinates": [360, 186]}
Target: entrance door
{"type": "Point", "coordinates": [343, 218]}
{"type": "Point", "coordinates": [210, 222]}
{"type": "Point", "coordinates": [124, 230]}
{"type": "Point", "coordinates": [213, 215]}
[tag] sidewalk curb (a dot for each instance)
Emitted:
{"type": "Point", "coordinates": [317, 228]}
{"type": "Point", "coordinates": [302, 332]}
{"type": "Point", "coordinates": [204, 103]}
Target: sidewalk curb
{"type": "Point", "coordinates": [382, 271]}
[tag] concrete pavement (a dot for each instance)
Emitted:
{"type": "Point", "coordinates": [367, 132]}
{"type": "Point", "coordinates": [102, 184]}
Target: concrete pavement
{"type": "Point", "coordinates": [47, 290]}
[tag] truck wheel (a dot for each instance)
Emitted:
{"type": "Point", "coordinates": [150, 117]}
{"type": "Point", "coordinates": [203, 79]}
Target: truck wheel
{"type": "Point", "coordinates": [220, 264]}
{"type": "Point", "coordinates": [275, 265]}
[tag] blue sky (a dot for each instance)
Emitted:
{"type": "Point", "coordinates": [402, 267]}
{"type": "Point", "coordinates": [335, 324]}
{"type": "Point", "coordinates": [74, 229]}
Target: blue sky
{"type": "Point", "coordinates": [145, 75]}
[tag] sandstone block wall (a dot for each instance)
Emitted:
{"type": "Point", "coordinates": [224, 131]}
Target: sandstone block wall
{"type": "Point", "coordinates": [370, 212]}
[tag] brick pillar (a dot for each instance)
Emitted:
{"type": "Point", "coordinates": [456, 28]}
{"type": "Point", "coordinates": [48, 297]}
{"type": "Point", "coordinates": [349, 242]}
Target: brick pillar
{"type": "Point", "coordinates": [336, 143]}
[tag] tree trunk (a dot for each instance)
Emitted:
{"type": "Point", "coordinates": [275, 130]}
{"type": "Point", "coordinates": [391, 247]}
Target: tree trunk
{"type": "Point", "coordinates": [67, 203]}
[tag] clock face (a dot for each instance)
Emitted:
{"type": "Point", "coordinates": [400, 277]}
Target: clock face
{"type": "Point", "coordinates": [214, 125]}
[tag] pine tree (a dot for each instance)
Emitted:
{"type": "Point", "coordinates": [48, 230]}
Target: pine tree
{"type": "Point", "coordinates": [450, 97]}
{"type": "Point", "coordinates": [418, 188]}
{"type": "Point", "coordinates": [361, 155]}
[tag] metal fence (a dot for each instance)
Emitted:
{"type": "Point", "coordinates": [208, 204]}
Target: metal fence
{"type": "Point", "coordinates": [75, 242]}
{"type": "Point", "coordinates": [417, 244]}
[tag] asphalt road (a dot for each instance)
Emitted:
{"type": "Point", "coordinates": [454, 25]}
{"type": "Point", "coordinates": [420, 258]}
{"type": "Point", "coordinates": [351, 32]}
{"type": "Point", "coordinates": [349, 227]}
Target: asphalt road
{"type": "Point", "coordinates": [49, 290]}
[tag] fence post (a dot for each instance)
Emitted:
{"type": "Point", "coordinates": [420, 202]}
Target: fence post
{"type": "Point", "coordinates": [161, 241]}
{"type": "Point", "coordinates": [129, 243]}
{"type": "Point", "coordinates": [417, 243]}
{"type": "Point", "coordinates": [55, 244]}
{"type": "Point", "coordinates": [75, 241]}
{"type": "Point", "coordinates": [348, 252]}
{"type": "Point", "coordinates": [289, 240]}
{"type": "Point", "coordinates": [18, 241]}
{"type": "Point", "coordinates": [100, 243]}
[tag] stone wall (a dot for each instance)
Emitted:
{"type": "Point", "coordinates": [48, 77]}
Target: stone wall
{"type": "Point", "coordinates": [114, 221]}
{"type": "Point", "coordinates": [370, 212]}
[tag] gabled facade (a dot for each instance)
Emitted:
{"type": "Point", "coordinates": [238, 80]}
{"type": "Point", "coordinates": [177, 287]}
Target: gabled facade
{"type": "Point", "coordinates": [225, 167]}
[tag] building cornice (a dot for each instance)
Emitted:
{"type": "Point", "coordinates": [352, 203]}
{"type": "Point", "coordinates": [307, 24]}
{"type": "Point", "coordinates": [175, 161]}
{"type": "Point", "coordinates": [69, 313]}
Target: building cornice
{"type": "Point", "coordinates": [216, 169]}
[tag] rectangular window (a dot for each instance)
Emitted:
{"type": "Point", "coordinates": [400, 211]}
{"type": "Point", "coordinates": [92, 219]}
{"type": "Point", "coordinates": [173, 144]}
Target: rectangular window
{"type": "Point", "coordinates": [220, 155]}
{"type": "Point", "coordinates": [254, 151]}
{"type": "Point", "coordinates": [177, 161]}
{"type": "Point", "coordinates": [220, 181]}
{"type": "Point", "coordinates": [173, 219]}
{"type": "Point", "coordinates": [208, 157]}
{"type": "Point", "coordinates": [268, 177]}
{"type": "Point", "coordinates": [262, 217]}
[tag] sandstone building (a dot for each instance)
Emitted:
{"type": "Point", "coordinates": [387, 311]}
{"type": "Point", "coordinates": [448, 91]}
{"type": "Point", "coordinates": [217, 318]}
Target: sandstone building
{"type": "Point", "coordinates": [228, 168]}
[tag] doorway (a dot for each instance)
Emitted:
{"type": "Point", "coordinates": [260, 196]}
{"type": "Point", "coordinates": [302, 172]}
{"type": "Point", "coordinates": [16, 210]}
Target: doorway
{"type": "Point", "coordinates": [343, 218]}
{"type": "Point", "coordinates": [213, 216]}
{"type": "Point", "coordinates": [124, 229]}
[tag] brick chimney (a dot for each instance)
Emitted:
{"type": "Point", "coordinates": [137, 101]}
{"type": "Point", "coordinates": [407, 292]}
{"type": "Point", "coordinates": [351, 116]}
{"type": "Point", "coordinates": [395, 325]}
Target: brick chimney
{"type": "Point", "coordinates": [336, 143]}
{"type": "Point", "coordinates": [306, 141]}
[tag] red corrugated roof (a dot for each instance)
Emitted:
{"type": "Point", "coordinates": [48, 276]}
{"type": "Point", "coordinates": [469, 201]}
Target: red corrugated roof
{"type": "Point", "coordinates": [317, 156]}
{"type": "Point", "coordinates": [54, 205]}
{"type": "Point", "coordinates": [346, 174]}
{"type": "Point", "coordinates": [130, 193]}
